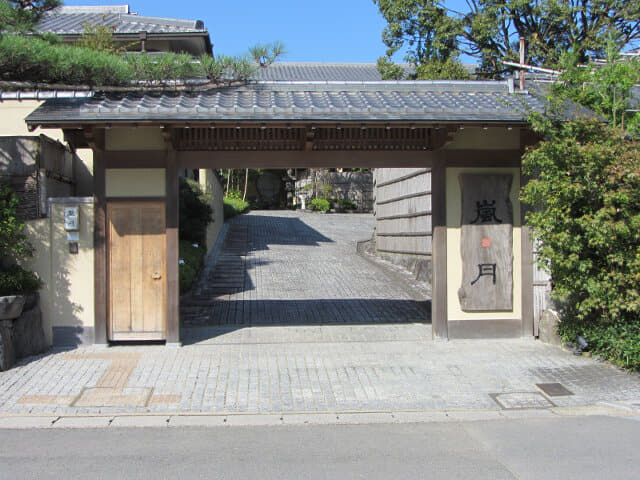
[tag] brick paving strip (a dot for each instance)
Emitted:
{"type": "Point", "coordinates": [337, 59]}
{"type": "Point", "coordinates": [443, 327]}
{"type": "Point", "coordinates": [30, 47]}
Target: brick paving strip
{"type": "Point", "coordinates": [318, 335]}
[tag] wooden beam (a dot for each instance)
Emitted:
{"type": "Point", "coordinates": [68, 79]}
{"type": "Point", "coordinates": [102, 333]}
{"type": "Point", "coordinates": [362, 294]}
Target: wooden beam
{"type": "Point", "coordinates": [482, 158]}
{"type": "Point", "coordinates": [439, 248]}
{"type": "Point", "coordinates": [172, 219]}
{"type": "Point", "coordinates": [100, 248]}
{"type": "Point", "coordinates": [274, 159]}
{"type": "Point", "coordinates": [95, 138]}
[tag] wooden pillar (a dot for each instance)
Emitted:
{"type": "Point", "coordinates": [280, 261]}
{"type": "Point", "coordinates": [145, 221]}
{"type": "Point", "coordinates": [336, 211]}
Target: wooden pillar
{"type": "Point", "coordinates": [527, 282]}
{"type": "Point", "coordinates": [100, 248]}
{"type": "Point", "coordinates": [172, 218]}
{"type": "Point", "coordinates": [439, 248]}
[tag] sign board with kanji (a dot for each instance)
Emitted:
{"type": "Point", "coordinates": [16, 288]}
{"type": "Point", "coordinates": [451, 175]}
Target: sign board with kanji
{"type": "Point", "coordinates": [486, 243]}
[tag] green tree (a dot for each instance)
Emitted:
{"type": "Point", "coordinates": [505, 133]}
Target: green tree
{"type": "Point", "coordinates": [604, 87]}
{"type": "Point", "coordinates": [584, 193]}
{"type": "Point", "coordinates": [427, 33]}
{"type": "Point", "coordinates": [23, 15]}
{"type": "Point", "coordinates": [490, 29]}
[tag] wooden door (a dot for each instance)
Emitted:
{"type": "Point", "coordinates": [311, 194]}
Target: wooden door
{"type": "Point", "coordinates": [136, 267]}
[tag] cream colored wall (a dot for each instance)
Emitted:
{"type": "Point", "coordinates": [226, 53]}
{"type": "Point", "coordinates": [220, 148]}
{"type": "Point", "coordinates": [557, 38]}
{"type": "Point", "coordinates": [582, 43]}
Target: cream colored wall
{"type": "Point", "coordinates": [454, 258]}
{"type": "Point", "coordinates": [39, 234]}
{"type": "Point", "coordinates": [83, 173]}
{"type": "Point", "coordinates": [139, 138]}
{"type": "Point", "coordinates": [12, 115]}
{"type": "Point", "coordinates": [211, 185]}
{"type": "Point", "coordinates": [67, 297]}
{"type": "Point", "coordinates": [135, 182]}
{"type": "Point", "coordinates": [493, 138]}
{"type": "Point", "coordinates": [72, 274]}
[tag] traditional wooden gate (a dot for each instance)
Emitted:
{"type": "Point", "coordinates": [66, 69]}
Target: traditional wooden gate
{"type": "Point", "coordinates": [136, 270]}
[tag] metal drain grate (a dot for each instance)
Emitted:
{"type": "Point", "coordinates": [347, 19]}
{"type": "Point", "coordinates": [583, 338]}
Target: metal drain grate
{"type": "Point", "coordinates": [521, 400]}
{"type": "Point", "coordinates": [554, 389]}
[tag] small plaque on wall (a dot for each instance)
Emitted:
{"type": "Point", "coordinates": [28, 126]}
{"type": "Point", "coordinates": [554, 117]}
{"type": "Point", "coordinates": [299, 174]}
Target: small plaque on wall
{"type": "Point", "coordinates": [486, 243]}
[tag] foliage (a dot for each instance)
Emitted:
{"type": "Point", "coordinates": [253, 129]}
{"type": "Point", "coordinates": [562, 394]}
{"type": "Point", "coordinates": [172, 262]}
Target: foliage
{"type": "Point", "coordinates": [13, 240]}
{"type": "Point", "coordinates": [234, 206]}
{"type": "Point", "coordinates": [97, 36]}
{"type": "Point", "coordinates": [193, 258]}
{"type": "Point", "coordinates": [585, 190]}
{"type": "Point", "coordinates": [618, 342]}
{"type": "Point", "coordinates": [450, 69]}
{"type": "Point", "coordinates": [41, 60]}
{"type": "Point", "coordinates": [14, 246]}
{"type": "Point", "coordinates": [490, 30]}
{"type": "Point", "coordinates": [320, 204]}
{"type": "Point", "coordinates": [37, 60]}
{"type": "Point", "coordinates": [347, 204]}
{"type": "Point", "coordinates": [15, 280]}
{"type": "Point", "coordinates": [23, 15]}
{"type": "Point", "coordinates": [604, 88]}
{"type": "Point", "coordinates": [195, 212]}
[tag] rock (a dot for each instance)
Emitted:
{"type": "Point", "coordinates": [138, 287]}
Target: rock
{"type": "Point", "coordinates": [11, 306]}
{"type": "Point", "coordinates": [548, 328]}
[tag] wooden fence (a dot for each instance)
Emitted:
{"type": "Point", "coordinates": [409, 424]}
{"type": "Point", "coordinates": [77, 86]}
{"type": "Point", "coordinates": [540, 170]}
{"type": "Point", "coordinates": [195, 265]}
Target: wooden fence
{"type": "Point", "coordinates": [403, 211]}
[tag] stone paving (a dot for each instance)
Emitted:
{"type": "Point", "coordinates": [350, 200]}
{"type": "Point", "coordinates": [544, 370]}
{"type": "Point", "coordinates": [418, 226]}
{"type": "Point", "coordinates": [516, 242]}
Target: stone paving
{"type": "Point", "coordinates": [267, 362]}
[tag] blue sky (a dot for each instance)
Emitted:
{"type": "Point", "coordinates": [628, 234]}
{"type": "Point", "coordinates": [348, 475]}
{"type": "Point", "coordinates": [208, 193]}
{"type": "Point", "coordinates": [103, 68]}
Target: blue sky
{"type": "Point", "coordinates": [312, 31]}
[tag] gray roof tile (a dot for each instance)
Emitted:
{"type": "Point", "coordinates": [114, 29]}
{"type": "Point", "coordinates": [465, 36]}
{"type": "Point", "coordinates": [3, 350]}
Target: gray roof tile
{"type": "Point", "coordinates": [454, 101]}
{"type": "Point", "coordinates": [71, 21]}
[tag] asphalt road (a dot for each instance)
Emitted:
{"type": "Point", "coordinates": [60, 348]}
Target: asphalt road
{"type": "Point", "coordinates": [582, 447]}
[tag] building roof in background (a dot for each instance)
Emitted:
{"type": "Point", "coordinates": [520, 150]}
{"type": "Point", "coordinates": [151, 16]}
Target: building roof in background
{"type": "Point", "coordinates": [318, 71]}
{"type": "Point", "coordinates": [419, 101]}
{"type": "Point", "coordinates": [315, 71]}
{"type": "Point", "coordinates": [71, 20]}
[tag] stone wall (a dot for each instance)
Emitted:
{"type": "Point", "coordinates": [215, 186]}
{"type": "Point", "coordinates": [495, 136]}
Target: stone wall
{"type": "Point", "coordinates": [37, 168]}
{"type": "Point", "coordinates": [23, 336]}
{"type": "Point", "coordinates": [354, 186]}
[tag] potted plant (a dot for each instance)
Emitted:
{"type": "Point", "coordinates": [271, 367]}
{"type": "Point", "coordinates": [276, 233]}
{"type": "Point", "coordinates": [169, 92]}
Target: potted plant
{"type": "Point", "coordinates": [17, 285]}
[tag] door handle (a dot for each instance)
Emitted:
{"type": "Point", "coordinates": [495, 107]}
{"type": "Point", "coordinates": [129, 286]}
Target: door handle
{"type": "Point", "coordinates": [156, 276]}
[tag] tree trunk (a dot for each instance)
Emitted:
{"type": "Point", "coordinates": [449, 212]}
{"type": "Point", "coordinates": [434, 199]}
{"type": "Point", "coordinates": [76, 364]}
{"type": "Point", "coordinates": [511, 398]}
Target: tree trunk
{"type": "Point", "coordinates": [228, 179]}
{"type": "Point", "coordinates": [246, 181]}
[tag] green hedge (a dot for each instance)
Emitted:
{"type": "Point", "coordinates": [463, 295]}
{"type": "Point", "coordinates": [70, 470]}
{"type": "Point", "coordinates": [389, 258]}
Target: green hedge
{"type": "Point", "coordinates": [29, 58]}
{"type": "Point", "coordinates": [234, 206]}
{"type": "Point", "coordinates": [33, 59]}
{"type": "Point", "coordinates": [16, 280]}
{"type": "Point", "coordinates": [193, 258]}
{"type": "Point", "coordinates": [320, 204]}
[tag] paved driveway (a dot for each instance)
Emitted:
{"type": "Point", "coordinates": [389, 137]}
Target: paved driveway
{"type": "Point", "coordinates": [285, 276]}
{"type": "Point", "coordinates": [318, 329]}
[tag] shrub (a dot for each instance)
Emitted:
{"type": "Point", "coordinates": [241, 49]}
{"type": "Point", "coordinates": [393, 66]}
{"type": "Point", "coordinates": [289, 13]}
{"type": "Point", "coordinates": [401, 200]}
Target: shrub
{"type": "Point", "coordinates": [15, 280]}
{"type": "Point", "coordinates": [193, 258]}
{"type": "Point", "coordinates": [348, 204]}
{"type": "Point", "coordinates": [234, 206]}
{"type": "Point", "coordinates": [14, 246]}
{"type": "Point", "coordinates": [195, 212]}
{"type": "Point", "coordinates": [37, 60]}
{"type": "Point", "coordinates": [585, 190]}
{"type": "Point", "coordinates": [320, 205]}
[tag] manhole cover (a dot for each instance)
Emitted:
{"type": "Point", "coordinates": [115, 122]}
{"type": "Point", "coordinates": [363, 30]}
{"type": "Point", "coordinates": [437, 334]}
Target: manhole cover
{"type": "Point", "coordinates": [521, 400]}
{"type": "Point", "coordinates": [554, 389]}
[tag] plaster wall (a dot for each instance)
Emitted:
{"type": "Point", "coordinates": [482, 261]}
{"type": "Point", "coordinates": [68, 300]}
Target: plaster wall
{"type": "Point", "coordinates": [210, 184]}
{"type": "Point", "coordinates": [135, 182]}
{"type": "Point", "coordinates": [493, 138]}
{"type": "Point", "coordinates": [67, 297]}
{"type": "Point", "coordinates": [454, 257]}
{"type": "Point", "coordinates": [135, 138]}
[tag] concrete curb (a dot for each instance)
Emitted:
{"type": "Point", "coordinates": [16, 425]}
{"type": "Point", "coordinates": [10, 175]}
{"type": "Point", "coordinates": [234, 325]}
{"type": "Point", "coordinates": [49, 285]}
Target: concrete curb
{"type": "Point", "coordinates": [184, 420]}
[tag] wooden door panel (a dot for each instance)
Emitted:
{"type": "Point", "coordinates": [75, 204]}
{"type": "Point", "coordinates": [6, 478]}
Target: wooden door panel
{"type": "Point", "coordinates": [153, 265]}
{"type": "Point", "coordinates": [136, 268]}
